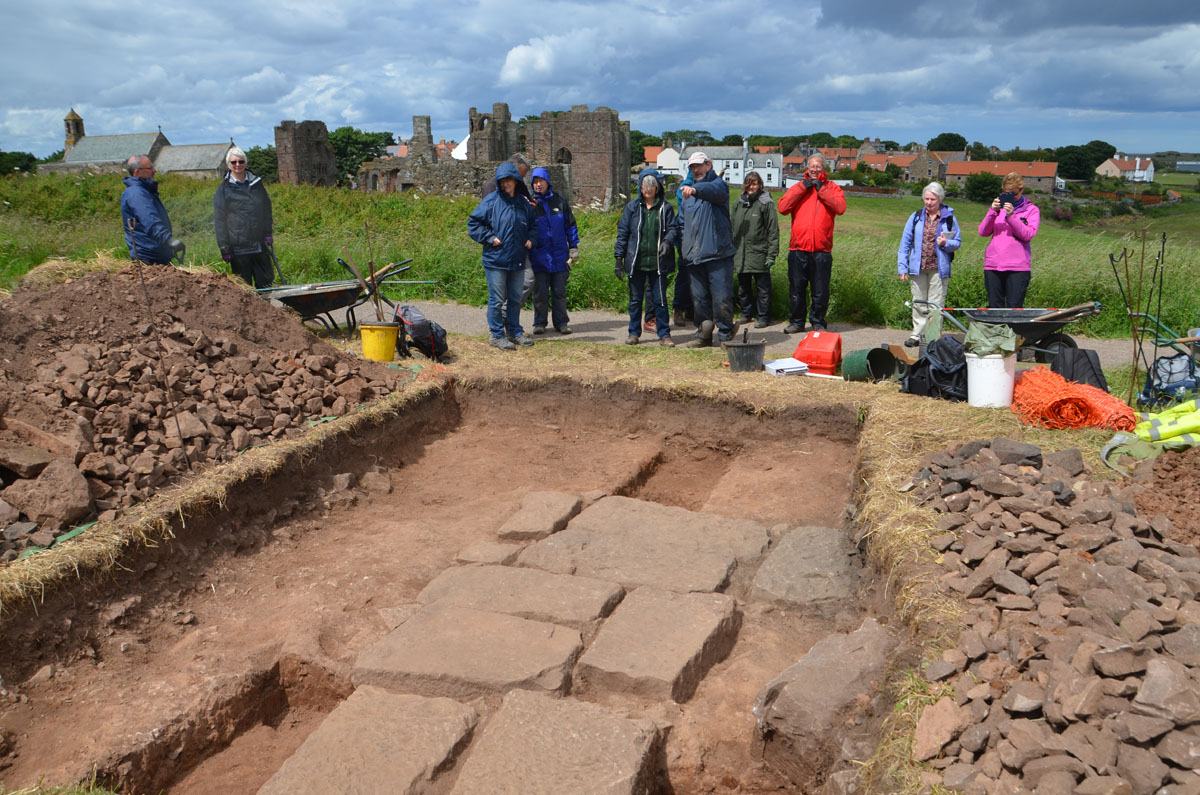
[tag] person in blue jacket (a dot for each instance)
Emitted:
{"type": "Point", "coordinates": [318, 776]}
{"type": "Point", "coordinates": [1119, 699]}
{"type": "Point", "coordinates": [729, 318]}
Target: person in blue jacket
{"type": "Point", "coordinates": [147, 227]}
{"type": "Point", "coordinates": [645, 253]}
{"type": "Point", "coordinates": [708, 249]}
{"type": "Point", "coordinates": [556, 251]}
{"type": "Point", "coordinates": [504, 224]}
{"type": "Point", "coordinates": [931, 236]}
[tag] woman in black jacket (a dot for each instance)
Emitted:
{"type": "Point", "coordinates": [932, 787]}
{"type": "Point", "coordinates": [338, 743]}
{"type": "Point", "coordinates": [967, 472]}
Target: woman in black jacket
{"type": "Point", "coordinates": [242, 219]}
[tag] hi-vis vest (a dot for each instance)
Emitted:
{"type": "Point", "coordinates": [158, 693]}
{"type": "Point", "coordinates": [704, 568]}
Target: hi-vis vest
{"type": "Point", "coordinates": [1182, 421]}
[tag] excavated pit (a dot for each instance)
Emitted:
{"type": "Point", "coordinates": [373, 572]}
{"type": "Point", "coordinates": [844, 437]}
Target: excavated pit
{"type": "Point", "coordinates": [205, 662]}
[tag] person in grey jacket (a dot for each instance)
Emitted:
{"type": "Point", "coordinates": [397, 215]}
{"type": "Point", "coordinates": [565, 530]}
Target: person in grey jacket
{"type": "Point", "coordinates": [756, 235]}
{"type": "Point", "coordinates": [243, 223]}
{"type": "Point", "coordinates": [708, 249]}
{"type": "Point", "coordinates": [645, 254]}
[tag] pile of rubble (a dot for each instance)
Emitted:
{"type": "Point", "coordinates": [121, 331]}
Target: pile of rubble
{"type": "Point", "coordinates": [1079, 670]}
{"type": "Point", "coordinates": [101, 425]}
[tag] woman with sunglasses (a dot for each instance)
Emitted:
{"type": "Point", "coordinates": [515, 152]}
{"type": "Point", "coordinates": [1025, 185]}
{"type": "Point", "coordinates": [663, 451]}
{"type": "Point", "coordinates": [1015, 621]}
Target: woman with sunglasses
{"type": "Point", "coordinates": [242, 219]}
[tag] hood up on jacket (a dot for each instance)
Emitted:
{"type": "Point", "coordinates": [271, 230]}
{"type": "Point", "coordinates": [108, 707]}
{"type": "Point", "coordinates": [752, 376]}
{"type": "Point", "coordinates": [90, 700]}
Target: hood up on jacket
{"type": "Point", "coordinates": [651, 171]}
{"type": "Point", "coordinates": [544, 174]}
{"type": "Point", "coordinates": [506, 170]}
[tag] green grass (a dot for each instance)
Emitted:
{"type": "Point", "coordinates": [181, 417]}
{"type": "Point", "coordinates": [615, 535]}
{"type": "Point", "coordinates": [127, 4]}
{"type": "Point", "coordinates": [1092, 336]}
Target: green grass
{"type": "Point", "coordinates": [74, 216]}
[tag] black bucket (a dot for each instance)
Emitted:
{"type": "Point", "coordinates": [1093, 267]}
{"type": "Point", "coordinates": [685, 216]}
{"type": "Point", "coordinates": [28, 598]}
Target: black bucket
{"type": "Point", "coordinates": [746, 357]}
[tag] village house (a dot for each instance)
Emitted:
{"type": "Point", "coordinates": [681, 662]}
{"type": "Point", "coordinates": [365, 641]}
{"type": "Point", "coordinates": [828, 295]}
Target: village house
{"type": "Point", "coordinates": [1139, 169]}
{"type": "Point", "coordinates": [1039, 175]}
{"type": "Point", "coordinates": [734, 162]}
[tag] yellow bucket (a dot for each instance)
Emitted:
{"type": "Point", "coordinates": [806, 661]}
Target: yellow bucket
{"type": "Point", "coordinates": [379, 340]}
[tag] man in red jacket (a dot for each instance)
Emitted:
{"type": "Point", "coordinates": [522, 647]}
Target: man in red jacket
{"type": "Point", "coordinates": [813, 204]}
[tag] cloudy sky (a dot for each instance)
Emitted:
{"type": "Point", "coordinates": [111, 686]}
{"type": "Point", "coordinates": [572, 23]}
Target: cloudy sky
{"type": "Point", "coordinates": [1008, 73]}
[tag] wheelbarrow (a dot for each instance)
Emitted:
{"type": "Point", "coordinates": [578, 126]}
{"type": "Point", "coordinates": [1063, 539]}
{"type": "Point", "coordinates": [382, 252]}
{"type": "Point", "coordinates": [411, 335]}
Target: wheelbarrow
{"type": "Point", "coordinates": [316, 303]}
{"type": "Point", "coordinates": [1040, 329]}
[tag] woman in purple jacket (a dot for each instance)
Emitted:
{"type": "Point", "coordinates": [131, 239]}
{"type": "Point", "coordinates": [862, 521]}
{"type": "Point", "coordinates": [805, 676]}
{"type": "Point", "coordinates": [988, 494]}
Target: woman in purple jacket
{"type": "Point", "coordinates": [1011, 222]}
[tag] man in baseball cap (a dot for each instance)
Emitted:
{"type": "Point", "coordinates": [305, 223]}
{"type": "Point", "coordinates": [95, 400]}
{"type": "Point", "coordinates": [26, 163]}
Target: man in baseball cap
{"type": "Point", "coordinates": [708, 247]}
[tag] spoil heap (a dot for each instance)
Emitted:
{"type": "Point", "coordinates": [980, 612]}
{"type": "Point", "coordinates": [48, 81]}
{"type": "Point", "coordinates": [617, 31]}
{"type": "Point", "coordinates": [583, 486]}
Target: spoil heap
{"type": "Point", "coordinates": [100, 406]}
{"type": "Point", "coordinates": [1078, 669]}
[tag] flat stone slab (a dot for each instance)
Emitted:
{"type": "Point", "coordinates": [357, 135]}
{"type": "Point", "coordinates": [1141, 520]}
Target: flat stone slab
{"type": "Point", "coordinates": [25, 461]}
{"type": "Point", "coordinates": [634, 543]}
{"type": "Point", "coordinates": [489, 553]}
{"type": "Point", "coordinates": [809, 568]}
{"type": "Point", "coordinates": [527, 593]}
{"type": "Point", "coordinates": [542, 513]}
{"type": "Point", "coordinates": [660, 644]}
{"type": "Point", "coordinates": [535, 745]}
{"type": "Point", "coordinates": [376, 741]}
{"type": "Point", "coordinates": [462, 653]}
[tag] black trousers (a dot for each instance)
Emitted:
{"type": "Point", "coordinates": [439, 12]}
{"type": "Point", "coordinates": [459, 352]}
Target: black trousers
{"type": "Point", "coordinates": [1006, 289]}
{"type": "Point", "coordinates": [805, 269]}
{"type": "Point", "coordinates": [754, 294]}
{"type": "Point", "coordinates": [254, 269]}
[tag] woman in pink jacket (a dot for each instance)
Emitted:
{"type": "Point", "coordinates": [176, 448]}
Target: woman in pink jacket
{"type": "Point", "coordinates": [1011, 222]}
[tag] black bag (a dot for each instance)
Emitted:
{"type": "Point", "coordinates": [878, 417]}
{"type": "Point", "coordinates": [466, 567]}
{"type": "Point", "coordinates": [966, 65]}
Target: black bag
{"type": "Point", "coordinates": [1170, 379]}
{"type": "Point", "coordinates": [1079, 365]}
{"type": "Point", "coordinates": [423, 334]}
{"type": "Point", "coordinates": [940, 373]}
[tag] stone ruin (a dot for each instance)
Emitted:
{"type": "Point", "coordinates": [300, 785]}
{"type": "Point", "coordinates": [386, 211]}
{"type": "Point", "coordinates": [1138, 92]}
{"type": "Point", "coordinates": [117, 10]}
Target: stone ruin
{"type": "Point", "coordinates": [304, 154]}
{"type": "Point", "coordinates": [586, 152]}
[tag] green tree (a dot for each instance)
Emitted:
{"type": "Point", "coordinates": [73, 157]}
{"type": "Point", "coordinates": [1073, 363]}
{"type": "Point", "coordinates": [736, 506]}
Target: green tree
{"type": "Point", "coordinates": [821, 139]}
{"type": "Point", "coordinates": [892, 146]}
{"type": "Point", "coordinates": [947, 142]}
{"type": "Point", "coordinates": [17, 161]}
{"type": "Point", "coordinates": [848, 141]}
{"type": "Point", "coordinates": [733, 139]}
{"type": "Point", "coordinates": [638, 141]}
{"type": "Point", "coordinates": [1074, 163]}
{"type": "Point", "coordinates": [55, 157]}
{"type": "Point", "coordinates": [982, 187]}
{"type": "Point", "coordinates": [895, 173]}
{"type": "Point", "coordinates": [690, 137]}
{"type": "Point", "coordinates": [1099, 151]}
{"type": "Point", "coordinates": [979, 152]}
{"type": "Point", "coordinates": [261, 161]}
{"type": "Point", "coordinates": [352, 148]}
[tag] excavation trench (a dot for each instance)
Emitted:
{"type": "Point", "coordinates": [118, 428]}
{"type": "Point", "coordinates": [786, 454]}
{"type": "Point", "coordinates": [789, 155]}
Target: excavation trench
{"type": "Point", "coordinates": [205, 662]}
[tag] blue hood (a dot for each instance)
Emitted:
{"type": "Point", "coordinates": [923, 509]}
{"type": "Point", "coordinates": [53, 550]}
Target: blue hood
{"type": "Point", "coordinates": [653, 172]}
{"type": "Point", "coordinates": [506, 170]}
{"type": "Point", "coordinates": [544, 174]}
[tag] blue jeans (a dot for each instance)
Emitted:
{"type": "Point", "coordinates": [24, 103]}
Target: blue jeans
{"type": "Point", "coordinates": [712, 293]}
{"type": "Point", "coordinates": [550, 291]}
{"type": "Point", "coordinates": [504, 301]}
{"type": "Point", "coordinates": [637, 294]}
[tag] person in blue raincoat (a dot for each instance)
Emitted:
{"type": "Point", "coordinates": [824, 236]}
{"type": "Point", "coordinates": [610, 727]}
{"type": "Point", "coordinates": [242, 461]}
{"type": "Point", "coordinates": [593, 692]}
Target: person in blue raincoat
{"type": "Point", "coordinates": [931, 236]}
{"type": "Point", "coordinates": [505, 226]}
{"type": "Point", "coordinates": [147, 227]}
{"type": "Point", "coordinates": [556, 251]}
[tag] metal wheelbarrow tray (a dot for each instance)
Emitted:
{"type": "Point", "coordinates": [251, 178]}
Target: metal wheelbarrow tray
{"type": "Point", "coordinates": [1040, 329]}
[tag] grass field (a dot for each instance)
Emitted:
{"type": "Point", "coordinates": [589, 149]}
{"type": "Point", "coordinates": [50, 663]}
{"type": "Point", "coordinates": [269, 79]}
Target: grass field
{"type": "Point", "coordinates": [75, 216]}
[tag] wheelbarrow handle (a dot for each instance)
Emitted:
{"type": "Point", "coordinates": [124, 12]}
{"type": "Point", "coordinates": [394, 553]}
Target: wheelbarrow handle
{"type": "Point", "coordinates": [1059, 314]}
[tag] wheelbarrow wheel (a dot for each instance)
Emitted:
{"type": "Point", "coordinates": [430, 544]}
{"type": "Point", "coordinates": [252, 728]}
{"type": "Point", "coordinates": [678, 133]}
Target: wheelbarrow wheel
{"type": "Point", "coordinates": [1051, 344]}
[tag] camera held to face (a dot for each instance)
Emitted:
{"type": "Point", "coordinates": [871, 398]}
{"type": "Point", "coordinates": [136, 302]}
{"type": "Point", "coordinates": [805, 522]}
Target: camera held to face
{"type": "Point", "coordinates": [1008, 197]}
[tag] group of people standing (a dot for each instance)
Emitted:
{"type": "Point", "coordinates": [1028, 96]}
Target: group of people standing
{"type": "Point", "coordinates": [724, 257]}
{"type": "Point", "coordinates": [241, 219]}
{"type": "Point", "coordinates": [931, 237]}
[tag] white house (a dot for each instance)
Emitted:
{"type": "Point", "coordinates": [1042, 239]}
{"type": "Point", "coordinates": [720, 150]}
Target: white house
{"type": "Point", "coordinates": [734, 162]}
{"type": "Point", "coordinates": [1139, 169]}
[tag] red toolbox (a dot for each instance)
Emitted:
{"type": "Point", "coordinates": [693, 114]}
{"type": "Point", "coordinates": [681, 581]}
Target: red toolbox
{"type": "Point", "coordinates": [821, 351]}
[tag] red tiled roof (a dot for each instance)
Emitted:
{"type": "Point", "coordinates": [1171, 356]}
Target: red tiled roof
{"type": "Point", "coordinates": [880, 162]}
{"type": "Point", "coordinates": [834, 152]}
{"type": "Point", "coordinates": [651, 153]}
{"type": "Point", "coordinates": [766, 150]}
{"type": "Point", "coordinates": [1136, 164]}
{"type": "Point", "coordinates": [1033, 168]}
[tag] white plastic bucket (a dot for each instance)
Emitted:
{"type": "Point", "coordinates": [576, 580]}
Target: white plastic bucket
{"type": "Point", "coordinates": [990, 380]}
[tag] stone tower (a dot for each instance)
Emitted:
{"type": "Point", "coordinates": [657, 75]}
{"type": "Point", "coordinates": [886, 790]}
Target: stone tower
{"type": "Point", "coordinates": [595, 144]}
{"type": "Point", "coordinates": [420, 148]}
{"type": "Point", "coordinates": [494, 136]}
{"type": "Point", "coordinates": [74, 124]}
{"type": "Point", "coordinates": [304, 154]}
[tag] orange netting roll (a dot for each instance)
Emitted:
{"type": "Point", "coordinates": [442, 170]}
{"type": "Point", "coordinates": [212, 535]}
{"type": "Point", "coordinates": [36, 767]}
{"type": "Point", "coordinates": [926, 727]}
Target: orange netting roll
{"type": "Point", "coordinates": [1043, 397]}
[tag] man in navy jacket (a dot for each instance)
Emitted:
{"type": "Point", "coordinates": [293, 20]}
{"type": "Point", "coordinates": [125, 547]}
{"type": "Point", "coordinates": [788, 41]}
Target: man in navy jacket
{"type": "Point", "coordinates": [147, 227]}
{"type": "Point", "coordinates": [708, 248]}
